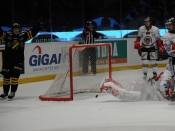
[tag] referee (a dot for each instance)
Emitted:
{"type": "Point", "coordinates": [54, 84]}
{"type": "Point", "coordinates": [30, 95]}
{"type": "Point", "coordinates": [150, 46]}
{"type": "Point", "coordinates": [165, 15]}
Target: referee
{"type": "Point", "coordinates": [88, 38]}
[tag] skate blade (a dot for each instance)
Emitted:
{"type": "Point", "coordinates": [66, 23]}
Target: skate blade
{"type": "Point", "coordinates": [3, 98]}
{"type": "Point", "coordinates": [10, 99]}
{"type": "Point", "coordinates": [171, 103]}
{"type": "Point", "coordinates": [144, 78]}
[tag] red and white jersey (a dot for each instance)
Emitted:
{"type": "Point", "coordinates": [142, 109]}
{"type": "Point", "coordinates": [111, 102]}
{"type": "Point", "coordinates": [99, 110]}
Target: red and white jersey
{"type": "Point", "coordinates": [168, 39]}
{"type": "Point", "coordinates": [163, 77]}
{"type": "Point", "coordinates": [148, 36]}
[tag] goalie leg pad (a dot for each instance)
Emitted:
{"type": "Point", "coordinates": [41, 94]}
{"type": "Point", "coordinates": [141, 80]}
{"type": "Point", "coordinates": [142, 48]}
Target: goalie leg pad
{"type": "Point", "coordinates": [121, 93]}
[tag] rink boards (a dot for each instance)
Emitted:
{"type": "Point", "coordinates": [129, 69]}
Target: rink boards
{"type": "Point", "coordinates": [42, 59]}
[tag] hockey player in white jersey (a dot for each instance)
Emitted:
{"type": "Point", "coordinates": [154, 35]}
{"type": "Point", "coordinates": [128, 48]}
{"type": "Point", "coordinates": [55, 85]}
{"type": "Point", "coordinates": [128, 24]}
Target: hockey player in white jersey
{"type": "Point", "coordinates": [146, 44]}
{"type": "Point", "coordinates": [169, 44]}
{"type": "Point", "coordinates": [164, 82]}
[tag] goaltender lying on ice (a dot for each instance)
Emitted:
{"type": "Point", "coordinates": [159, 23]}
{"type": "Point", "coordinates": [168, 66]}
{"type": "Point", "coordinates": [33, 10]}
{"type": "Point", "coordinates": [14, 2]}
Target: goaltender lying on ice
{"type": "Point", "coordinates": [132, 91]}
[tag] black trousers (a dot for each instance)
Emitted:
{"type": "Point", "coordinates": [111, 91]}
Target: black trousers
{"type": "Point", "coordinates": [89, 53]}
{"type": "Point", "coordinates": [147, 52]}
{"type": "Point", "coordinates": [10, 77]}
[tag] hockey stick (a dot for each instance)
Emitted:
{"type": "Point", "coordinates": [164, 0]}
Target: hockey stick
{"type": "Point", "coordinates": [159, 91]}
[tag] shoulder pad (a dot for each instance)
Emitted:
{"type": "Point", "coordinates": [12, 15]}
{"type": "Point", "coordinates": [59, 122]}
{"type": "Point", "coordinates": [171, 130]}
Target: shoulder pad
{"type": "Point", "coordinates": [9, 32]}
{"type": "Point", "coordinates": [22, 32]}
{"type": "Point", "coordinates": [142, 27]}
{"type": "Point", "coordinates": [166, 35]}
{"type": "Point", "coordinates": [154, 27]}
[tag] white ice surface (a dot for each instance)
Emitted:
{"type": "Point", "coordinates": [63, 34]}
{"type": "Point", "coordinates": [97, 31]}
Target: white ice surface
{"type": "Point", "coordinates": [86, 113]}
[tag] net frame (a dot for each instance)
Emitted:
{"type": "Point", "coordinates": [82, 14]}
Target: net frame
{"type": "Point", "coordinates": [79, 47]}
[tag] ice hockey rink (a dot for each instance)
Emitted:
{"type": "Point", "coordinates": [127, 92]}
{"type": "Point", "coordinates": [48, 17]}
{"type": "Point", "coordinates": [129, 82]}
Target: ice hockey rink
{"type": "Point", "coordinates": [86, 113]}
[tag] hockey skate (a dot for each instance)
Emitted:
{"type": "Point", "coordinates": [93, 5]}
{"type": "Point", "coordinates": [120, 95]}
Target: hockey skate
{"type": "Point", "coordinates": [144, 75]}
{"type": "Point", "coordinates": [172, 98]}
{"type": "Point", "coordinates": [167, 95]}
{"type": "Point", "coordinates": [154, 75]}
{"type": "Point", "coordinates": [94, 73]}
{"type": "Point", "coordinates": [3, 96]}
{"type": "Point", "coordinates": [11, 96]}
{"type": "Point", "coordinates": [152, 79]}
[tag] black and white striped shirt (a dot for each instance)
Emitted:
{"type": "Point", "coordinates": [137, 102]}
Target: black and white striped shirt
{"type": "Point", "coordinates": [89, 36]}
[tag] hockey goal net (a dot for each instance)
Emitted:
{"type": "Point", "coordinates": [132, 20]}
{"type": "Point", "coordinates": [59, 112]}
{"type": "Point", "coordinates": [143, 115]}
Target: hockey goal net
{"type": "Point", "coordinates": [81, 70]}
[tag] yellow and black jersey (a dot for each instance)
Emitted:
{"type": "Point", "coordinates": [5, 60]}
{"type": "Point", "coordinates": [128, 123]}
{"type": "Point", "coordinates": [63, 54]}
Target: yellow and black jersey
{"type": "Point", "coordinates": [15, 44]}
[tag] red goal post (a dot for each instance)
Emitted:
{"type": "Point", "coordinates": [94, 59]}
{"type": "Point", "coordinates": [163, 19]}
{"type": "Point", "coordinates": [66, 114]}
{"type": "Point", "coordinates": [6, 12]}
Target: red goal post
{"type": "Point", "coordinates": [54, 93]}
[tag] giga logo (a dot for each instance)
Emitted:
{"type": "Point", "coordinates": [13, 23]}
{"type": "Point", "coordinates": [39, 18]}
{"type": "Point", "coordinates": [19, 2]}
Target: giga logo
{"type": "Point", "coordinates": [43, 59]}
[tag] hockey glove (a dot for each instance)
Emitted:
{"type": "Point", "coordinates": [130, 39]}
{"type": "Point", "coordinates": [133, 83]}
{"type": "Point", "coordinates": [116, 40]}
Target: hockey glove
{"type": "Point", "coordinates": [136, 45]}
{"type": "Point", "coordinates": [160, 46]}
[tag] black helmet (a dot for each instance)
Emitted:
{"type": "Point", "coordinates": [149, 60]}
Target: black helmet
{"type": "Point", "coordinates": [171, 21]}
{"type": "Point", "coordinates": [16, 25]}
{"type": "Point", "coordinates": [148, 19]}
{"type": "Point", "coordinates": [89, 23]}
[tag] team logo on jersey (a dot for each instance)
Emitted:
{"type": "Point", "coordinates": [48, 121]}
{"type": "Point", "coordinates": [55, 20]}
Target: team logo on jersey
{"type": "Point", "coordinates": [147, 33]}
{"type": "Point", "coordinates": [15, 45]}
{"type": "Point", "coordinates": [148, 40]}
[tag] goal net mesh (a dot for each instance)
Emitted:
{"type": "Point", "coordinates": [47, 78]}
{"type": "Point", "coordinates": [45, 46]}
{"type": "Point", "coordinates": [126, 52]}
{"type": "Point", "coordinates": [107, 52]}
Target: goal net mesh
{"type": "Point", "coordinates": [81, 69]}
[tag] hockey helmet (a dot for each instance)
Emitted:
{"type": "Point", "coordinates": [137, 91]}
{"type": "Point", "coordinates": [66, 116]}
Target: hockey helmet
{"type": "Point", "coordinates": [89, 23]}
{"type": "Point", "coordinates": [16, 25]}
{"type": "Point", "coordinates": [148, 19]}
{"type": "Point", "coordinates": [170, 21]}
